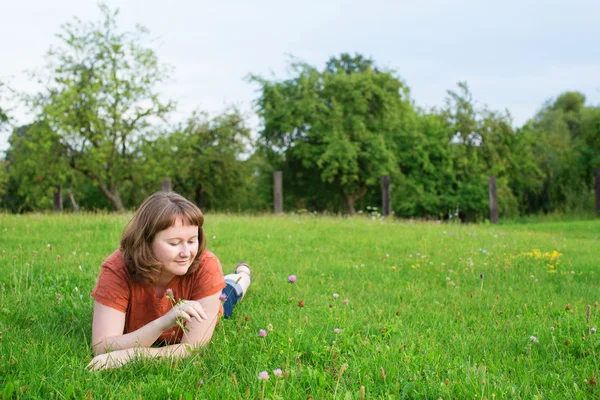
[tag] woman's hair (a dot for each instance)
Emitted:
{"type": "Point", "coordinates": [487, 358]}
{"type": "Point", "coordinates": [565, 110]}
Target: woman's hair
{"type": "Point", "coordinates": [157, 213]}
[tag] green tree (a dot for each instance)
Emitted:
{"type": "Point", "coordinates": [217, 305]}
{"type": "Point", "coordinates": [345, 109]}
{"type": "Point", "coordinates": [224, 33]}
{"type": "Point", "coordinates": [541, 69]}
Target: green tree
{"type": "Point", "coordinates": [101, 99]}
{"type": "Point", "coordinates": [426, 185]}
{"type": "Point", "coordinates": [37, 168]}
{"type": "Point", "coordinates": [470, 167]}
{"type": "Point", "coordinates": [338, 123]}
{"type": "Point", "coordinates": [3, 123]}
{"type": "Point", "coordinates": [203, 158]}
{"type": "Point", "coordinates": [565, 136]}
{"type": "Point", "coordinates": [480, 143]}
{"type": "Point", "coordinates": [588, 143]}
{"type": "Point", "coordinates": [4, 118]}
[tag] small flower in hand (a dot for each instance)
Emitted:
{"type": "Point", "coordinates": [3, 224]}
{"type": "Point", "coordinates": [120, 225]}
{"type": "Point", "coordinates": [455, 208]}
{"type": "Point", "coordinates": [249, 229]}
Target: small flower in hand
{"type": "Point", "coordinates": [169, 294]}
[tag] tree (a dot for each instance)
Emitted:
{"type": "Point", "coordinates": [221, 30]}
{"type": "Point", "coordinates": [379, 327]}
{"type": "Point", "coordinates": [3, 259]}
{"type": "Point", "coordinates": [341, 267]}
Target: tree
{"type": "Point", "coordinates": [3, 122]}
{"type": "Point", "coordinates": [588, 143]}
{"type": "Point", "coordinates": [101, 99]}
{"type": "Point", "coordinates": [426, 184]}
{"type": "Point", "coordinates": [338, 122]}
{"type": "Point", "coordinates": [3, 114]}
{"type": "Point", "coordinates": [565, 135]}
{"type": "Point", "coordinates": [480, 143]}
{"type": "Point", "coordinates": [37, 168]}
{"type": "Point", "coordinates": [203, 157]}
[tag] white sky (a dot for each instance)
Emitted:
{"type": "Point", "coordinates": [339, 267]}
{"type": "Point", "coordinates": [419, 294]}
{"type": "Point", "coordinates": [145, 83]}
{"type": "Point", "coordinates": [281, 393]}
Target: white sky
{"type": "Point", "coordinates": [514, 54]}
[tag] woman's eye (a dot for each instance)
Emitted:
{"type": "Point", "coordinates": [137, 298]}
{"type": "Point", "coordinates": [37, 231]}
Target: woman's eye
{"type": "Point", "coordinates": [174, 244]}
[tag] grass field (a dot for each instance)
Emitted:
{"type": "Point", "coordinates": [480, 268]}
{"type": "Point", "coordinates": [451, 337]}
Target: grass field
{"type": "Point", "coordinates": [424, 311]}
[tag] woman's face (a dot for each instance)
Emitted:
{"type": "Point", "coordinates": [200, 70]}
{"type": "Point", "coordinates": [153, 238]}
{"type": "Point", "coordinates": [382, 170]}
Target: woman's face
{"type": "Point", "coordinates": [176, 248]}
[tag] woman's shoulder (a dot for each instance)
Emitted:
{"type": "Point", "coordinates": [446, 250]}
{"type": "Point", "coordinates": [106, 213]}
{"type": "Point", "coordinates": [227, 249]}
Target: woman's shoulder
{"type": "Point", "coordinates": [206, 256]}
{"type": "Point", "coordinates": [208, 264]}
{"type": "Point", "coordinates": [116, 258]}
{"type": "Point", "coordinates": [113, 285]}
{"type": "Point", "coordinates": [207, 279]}
{"type": "Point", "coordinates": [115, 262]}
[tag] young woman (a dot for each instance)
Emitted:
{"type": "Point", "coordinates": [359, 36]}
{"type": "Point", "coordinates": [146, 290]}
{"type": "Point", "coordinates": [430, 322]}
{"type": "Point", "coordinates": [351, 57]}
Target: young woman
{"type": "Point", "coordinates": [160, 280]}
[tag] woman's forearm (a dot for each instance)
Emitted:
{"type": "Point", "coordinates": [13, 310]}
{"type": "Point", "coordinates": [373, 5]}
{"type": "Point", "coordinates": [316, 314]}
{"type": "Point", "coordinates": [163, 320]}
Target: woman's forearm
{"type": "Point", "coordinates": [118, 358]}
{"type": "Point", "coordinates": [143, 337]}
{"type": "Point", "coordinates": [171, 351]}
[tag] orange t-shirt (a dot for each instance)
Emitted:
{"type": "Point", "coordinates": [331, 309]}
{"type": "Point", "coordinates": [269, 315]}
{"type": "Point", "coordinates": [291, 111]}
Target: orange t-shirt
{"type": "Point", "coordinates": [115, 289]}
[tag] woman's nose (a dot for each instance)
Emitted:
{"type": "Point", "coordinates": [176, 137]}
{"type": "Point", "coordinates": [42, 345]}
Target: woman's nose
{"type": "Point", "coordinates": [185, 250]}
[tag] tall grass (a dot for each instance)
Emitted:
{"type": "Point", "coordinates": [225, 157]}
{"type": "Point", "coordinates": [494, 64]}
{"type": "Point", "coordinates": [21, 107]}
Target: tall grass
{"type": "Point", "coordinates": [423, 310]}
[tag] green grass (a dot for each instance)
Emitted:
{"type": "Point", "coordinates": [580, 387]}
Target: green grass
{"type": "Point", "coordinates": [419, 323]}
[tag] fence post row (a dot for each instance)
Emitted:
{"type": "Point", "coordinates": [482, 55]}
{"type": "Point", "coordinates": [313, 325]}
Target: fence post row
{"type": "Point", "coordinates": [386, 202]}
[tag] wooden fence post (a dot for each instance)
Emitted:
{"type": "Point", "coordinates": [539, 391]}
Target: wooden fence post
{"type": "Point", "coordinates": [493, 200]}
{"type": "Point", "coordinates": [277, 192]}
{"type": "Point", "coordinates": [167, 185]}
{"type": "Point", "coordinates": [58, 202]}
{"type": "Point", "coordinates": [386, 196]}
{"type": "Point", "coordinates": [597, 189]}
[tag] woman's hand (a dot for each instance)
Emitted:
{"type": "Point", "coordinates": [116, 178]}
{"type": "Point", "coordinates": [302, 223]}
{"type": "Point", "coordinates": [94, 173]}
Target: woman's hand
{"type": "Point", "coordinates": [183, 311]}
{"type": "Point", "coordinates": [113, 359]}
{"type": "Point", "coordinates": [118, 358]}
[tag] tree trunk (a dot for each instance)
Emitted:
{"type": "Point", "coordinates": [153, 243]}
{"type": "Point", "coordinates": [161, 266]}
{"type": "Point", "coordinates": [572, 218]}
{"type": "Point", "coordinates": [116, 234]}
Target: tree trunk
{"type": "Point", "coordinates": [349, 205]}
{"type": "Point", "coordinates": [74, 204]}
{"type": "Point", "coordinates": [117, 203]}
{"type": "Point", "coordinates": [114, 198]}
{"type": "Point", "coordinates": [350, 199]}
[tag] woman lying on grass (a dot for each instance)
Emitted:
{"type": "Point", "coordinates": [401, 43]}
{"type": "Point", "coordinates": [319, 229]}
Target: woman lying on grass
{"type": "Point", "coordinates": [162, 287]}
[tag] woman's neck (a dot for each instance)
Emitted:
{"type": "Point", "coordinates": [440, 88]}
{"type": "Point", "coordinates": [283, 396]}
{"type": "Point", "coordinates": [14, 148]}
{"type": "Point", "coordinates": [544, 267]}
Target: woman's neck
{"type": "Point", "coordinates": [161, 284]}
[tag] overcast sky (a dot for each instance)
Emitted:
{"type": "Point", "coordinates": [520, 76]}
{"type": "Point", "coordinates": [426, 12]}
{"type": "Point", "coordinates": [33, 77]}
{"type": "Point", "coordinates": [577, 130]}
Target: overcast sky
{"type": "Point", "coordinates": [514, 54]}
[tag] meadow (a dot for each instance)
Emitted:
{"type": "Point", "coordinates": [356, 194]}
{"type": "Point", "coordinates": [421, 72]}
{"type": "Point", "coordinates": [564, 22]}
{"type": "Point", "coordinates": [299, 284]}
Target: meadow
{"type": "Point", "coordinates": [380, 309]}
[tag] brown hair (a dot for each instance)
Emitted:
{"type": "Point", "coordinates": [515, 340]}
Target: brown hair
{"type": "Point", "coordinates": [157, 213]}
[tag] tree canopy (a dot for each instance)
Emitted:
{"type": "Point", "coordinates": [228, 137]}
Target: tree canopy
{"type": "Point", "coordinates": [339, 121]}
{"type": "Point", "coordinates": [100, 99]}
{"type": "Point", "coordinates": [100, 135]}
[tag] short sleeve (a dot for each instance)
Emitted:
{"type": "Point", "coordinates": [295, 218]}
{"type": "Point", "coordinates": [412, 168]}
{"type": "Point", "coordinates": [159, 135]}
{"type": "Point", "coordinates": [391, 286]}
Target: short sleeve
{"type": "Point", "coordinates": [208, 280]}
{"type": "Point", "coordinates": [112, 288]}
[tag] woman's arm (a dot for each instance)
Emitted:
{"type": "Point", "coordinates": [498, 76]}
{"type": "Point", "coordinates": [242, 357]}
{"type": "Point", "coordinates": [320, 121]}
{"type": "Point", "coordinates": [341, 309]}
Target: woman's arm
{"type": "Point", "coordinates": [200, 332]}
{"type": "Point", "coordinates": [107, 333]}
